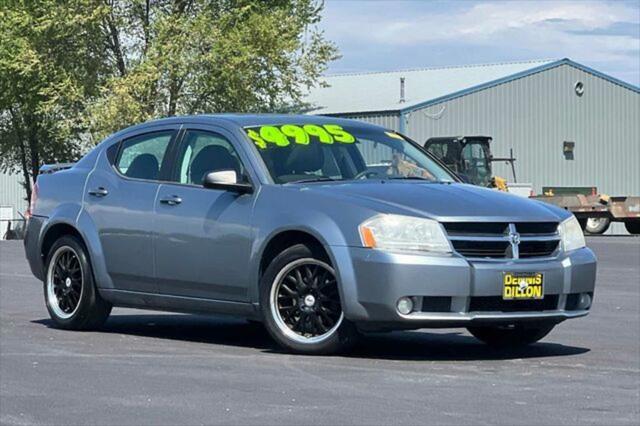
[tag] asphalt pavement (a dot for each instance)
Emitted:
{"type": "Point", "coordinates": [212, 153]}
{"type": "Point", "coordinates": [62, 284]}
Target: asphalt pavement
{"type": "Point", "coordinates": [157, 368]}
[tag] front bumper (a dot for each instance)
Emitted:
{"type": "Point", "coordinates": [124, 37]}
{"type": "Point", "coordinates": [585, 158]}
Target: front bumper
{"type": "Point", "coordinates": [465, 291]}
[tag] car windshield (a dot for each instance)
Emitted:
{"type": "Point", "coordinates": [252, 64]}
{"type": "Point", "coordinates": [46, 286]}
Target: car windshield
{"type": "Point", "coordinates": [323, 152]}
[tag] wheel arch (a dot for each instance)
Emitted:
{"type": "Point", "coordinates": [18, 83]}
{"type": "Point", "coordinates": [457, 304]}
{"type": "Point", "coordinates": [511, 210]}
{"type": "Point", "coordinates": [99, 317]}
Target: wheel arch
{"type": "Point", "coordinates": [336, 256]}
{"type": "Point", "coordinates": [54, 232]}
{"type": "Point", "coordinates": [284, 239]}
{"type": "Point", "coordinates": [84, 229]}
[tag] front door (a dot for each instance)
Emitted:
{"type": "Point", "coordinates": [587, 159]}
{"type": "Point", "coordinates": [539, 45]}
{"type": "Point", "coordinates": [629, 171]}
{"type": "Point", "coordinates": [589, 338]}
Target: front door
{"type": "Point", "coordinates": [120, 199]}
{"type": "Point", "coordinates": [204, 235]}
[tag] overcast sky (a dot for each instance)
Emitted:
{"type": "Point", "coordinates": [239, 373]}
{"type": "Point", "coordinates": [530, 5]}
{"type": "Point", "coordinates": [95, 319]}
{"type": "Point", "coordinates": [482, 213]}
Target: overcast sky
{"type": "Point", "coordinates": [378, 35]}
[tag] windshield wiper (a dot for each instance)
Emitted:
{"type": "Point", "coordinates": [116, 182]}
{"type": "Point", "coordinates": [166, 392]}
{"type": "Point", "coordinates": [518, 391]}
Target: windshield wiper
{"type": "Point", "coordinates": [413, 178]}
{"type": "Point", "coordinates": [316, 179]}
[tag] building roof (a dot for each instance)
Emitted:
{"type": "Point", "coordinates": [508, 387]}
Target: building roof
{"type": "Point", "coordinates": [380, 91]}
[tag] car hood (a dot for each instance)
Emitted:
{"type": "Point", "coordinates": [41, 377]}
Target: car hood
{"type": "Point", "coordinates": [440, 201]}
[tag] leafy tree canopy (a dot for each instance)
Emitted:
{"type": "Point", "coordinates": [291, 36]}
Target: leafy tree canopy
{"type": "Point", "coordinates": [185, 57]}
{"type": "Point", "coordinates": [72, 72]}
{"type": "Point", "coordinates": [48, 69]}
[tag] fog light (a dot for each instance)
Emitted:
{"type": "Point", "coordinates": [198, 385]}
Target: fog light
{"type": "Point", "coordinates": [585, 301]}
{"type": "Point", "coordinates": [405, 305]}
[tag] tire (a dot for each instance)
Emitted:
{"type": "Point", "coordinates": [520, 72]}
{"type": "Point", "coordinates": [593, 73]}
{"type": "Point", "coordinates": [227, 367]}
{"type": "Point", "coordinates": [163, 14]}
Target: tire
{"type": "Point", "coordinates": [69, 289]}
{"type": "Point", "coordinates": [633, 227]}
{"type": "Point", "coordinates": [304, 314]}
{"type": "Point", "coordinates": [597, 225]}
{"type": "Point", "coordinates": [583, 224]}
{"type": "Point", "coordinates": [513, 336]}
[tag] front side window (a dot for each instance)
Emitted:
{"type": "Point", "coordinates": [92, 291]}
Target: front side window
{"type": "Point", "coordinates": [306, 152]}
{"type": "Point", "coordinates": [203, 152]}
{"type": "Point", "coordinates": [141, 156]}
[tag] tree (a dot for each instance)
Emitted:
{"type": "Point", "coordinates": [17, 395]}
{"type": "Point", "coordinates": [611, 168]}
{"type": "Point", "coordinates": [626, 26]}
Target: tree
{"type": "Point", "coordinates": [48, 68]}
{"type": "Point", "coordinates": [186, 57]}
{"type": "Point", "coordinates": [71, 72]}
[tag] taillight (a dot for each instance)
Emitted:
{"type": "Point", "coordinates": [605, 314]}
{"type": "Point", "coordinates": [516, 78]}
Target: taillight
{"type": "Point", "coordinates": [32, 202]}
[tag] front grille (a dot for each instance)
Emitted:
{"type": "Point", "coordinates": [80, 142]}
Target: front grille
{"type": "Point", "coordinates": [491, 240]}
{"type": "Point", "coordinates": [476, 228]}
{"type": "Point", "coordinates": [538, 248]}
{"type": "Point", "coordinates": [537, 227]}
{"type": "Point", "coordinates": [493, 249]}
{"type": "Point", "coordinates": [497, 304]}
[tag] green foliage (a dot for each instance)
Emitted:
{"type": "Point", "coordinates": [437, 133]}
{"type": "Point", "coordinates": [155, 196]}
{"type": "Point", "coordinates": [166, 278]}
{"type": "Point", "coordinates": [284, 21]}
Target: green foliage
{"type": "Point", "coordinates": [48, 65]}
{"type": "Point", "coordinates": [210, 56]}
{"type": "Point", "coordinates": [71, 72]}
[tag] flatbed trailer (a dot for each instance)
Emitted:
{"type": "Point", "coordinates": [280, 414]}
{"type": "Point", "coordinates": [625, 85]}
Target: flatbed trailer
{"type": "Point", "coordinates": [595, 211]}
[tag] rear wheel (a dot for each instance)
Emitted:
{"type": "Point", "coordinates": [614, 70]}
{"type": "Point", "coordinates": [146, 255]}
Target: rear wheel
{"type": "Point", "coordinates": [511, 336]}
{"type": "Point", "coordinates": [597, 225]}
{"type": "Point", "coordinates": [633, 227]}
{"type": "Point", "coordinates": [69, 290]}
{"type": "Point", "coordinates": [301, 305]}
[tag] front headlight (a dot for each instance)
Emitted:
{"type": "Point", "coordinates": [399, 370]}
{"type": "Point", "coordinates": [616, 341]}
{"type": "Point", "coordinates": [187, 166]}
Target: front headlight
{"type": "Point", "coordinates": [571, 234]}
{"type": "Point", "coordinates": [404, 233]}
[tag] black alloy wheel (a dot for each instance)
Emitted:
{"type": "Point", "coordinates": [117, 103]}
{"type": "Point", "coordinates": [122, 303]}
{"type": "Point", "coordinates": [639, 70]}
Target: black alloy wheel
{"type": "Point", "coordinates": [308, 302]}
{"type": "Point", "coordinates": [70, 293]}
{"type": "Point", "coordinates": [65, 287]}
{"type": "Point", "coordinates": [301, 305]}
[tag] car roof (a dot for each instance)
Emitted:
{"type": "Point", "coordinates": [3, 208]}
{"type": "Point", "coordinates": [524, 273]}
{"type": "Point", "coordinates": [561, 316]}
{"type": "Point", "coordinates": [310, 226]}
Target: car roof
{"type": "Point", "coordinates": [249, 120]}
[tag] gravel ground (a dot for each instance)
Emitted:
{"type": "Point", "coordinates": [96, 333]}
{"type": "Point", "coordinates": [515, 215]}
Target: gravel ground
{"type": "Point", "coordinates": [156, 368]}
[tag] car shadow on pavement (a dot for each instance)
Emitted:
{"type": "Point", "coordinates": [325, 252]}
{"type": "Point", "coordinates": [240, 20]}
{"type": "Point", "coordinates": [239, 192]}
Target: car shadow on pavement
{"type": "Point", "coordinates": [424, 345]}
{"type": "Point", "coordinates": [218, 330]}
{"type": "Point", "coordinates": [399, 345]}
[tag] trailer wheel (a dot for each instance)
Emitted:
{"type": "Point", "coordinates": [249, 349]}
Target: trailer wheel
{"type": "Point", "coordinates": [597, 225]}
{"type": "Point", "coordinates": [633, 227]}
{"type": "Point", "coordinates": [583, 223]}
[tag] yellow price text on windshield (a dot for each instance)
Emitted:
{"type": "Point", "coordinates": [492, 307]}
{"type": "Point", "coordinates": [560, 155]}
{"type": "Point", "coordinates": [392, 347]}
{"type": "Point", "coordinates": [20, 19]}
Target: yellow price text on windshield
{"type": "Point", "coordinates": [284, 135]}
{"type": "Point", "coordinates": [255, 137]}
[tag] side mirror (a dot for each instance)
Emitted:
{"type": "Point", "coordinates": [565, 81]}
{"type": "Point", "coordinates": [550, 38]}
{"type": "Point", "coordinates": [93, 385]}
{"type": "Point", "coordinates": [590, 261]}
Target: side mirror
{"type": "Point", "coordinates": [226, 180]}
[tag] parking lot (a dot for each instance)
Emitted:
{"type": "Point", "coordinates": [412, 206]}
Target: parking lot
{"type": "Point", "coordinates": [157, 368]}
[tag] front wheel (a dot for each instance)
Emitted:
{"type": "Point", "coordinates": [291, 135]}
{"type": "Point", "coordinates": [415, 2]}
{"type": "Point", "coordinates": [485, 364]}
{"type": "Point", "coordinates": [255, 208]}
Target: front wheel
{"type": "Point", "coordinates": [71, 297]}
{"type": "Point", "coordinates": [301, 305]}
{"type": "Point", "coordinates": [511, 336]}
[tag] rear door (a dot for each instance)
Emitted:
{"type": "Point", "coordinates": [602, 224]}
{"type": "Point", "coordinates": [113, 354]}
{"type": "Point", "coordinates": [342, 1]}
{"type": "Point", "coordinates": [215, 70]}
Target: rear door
{"type": "Point", "coordinates": [204, 235]}
{"type": "Point", "coordinates": [120, 196]}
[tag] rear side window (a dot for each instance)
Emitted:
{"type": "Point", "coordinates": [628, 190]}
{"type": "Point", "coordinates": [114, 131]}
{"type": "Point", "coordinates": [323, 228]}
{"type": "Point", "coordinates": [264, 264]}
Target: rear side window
{"type": "Point", "coordinates": [141, 156]}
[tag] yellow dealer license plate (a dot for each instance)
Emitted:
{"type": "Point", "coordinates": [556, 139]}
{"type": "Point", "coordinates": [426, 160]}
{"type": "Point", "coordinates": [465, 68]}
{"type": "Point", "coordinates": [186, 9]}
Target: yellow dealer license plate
{"type": "Point", "coordinates": [522, 286]}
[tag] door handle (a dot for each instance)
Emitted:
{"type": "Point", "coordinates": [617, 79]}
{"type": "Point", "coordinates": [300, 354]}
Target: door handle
{"type": "Point", "coordinates": [174, 200]}
{"type": "Point", "coordinates": [99, 192]}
